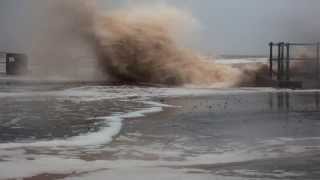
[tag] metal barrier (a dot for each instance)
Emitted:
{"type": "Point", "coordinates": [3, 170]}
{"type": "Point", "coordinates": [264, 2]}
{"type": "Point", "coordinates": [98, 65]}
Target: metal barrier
{"type": "Point", "coordinates": [3, 63]}
{"type": "Point", "coordinates": [13, 63]}
{"type": "Point", "coordinates": [289, 62]}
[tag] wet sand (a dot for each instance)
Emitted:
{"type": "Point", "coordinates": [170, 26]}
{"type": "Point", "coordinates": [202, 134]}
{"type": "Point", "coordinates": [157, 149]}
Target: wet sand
{"type": "Point", "coordinates": [276, 133]}
{"type": "Point", "coordinates": [203, 134]}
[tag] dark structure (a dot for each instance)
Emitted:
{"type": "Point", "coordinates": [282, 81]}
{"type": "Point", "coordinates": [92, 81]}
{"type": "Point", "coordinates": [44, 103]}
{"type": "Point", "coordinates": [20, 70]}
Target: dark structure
{"type": "Point", "coordinates": [293, 64]}
{"type": "Point", "coordinates": [14, 63]}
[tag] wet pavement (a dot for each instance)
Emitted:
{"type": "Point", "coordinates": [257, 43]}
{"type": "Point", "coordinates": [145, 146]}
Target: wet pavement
{"type": "Point", "coordinates": [252, 133]}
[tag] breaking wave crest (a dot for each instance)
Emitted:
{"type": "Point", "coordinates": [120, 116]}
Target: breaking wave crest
{"type": "Point", "coordinates": [140, 44]}
{"type": "Point", "coordinates": [137, 45]}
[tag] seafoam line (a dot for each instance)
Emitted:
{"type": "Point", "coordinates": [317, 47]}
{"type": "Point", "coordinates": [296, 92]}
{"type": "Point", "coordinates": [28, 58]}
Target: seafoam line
{"type": "Point", "coordinates": [103, 136]}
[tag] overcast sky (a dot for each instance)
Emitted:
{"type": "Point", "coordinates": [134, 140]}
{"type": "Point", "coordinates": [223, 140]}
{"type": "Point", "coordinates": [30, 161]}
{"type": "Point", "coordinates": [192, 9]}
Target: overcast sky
{"type": "Point", "coordinates": [228, 26]}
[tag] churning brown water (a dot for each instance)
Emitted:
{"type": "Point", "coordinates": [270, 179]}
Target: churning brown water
{"type": "Point", "coordinates": [141, 44]}
{"type": "Point", "coordinates": [137, 46]}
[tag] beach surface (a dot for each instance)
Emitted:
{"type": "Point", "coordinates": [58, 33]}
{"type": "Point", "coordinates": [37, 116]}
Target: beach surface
{"type": "Point", "coordinates": [127, 132]}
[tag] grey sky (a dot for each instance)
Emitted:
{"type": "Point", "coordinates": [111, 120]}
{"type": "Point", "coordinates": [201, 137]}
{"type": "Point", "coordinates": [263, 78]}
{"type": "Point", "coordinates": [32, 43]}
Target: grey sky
{"type": "Point", "coordinates": [228, 26]}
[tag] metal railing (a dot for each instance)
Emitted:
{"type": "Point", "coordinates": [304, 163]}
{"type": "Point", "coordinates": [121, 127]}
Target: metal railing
{"type": "Point", "coordinates": [13, 63]}
{"type": "Point", "coordinates": [283, 57]}
{"type": "Point", "coordinates": [3, 63]}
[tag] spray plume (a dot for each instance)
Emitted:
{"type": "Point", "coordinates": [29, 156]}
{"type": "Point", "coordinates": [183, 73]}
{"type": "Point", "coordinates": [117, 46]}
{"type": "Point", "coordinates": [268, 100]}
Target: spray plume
{"type": "Point", "coordinates": [132, 45]}
{"type": "Point", "coordinates": [138, 45]}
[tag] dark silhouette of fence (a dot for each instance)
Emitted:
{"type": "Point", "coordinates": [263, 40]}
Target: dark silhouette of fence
{"type": "Point", "coordinates": [14, 63]}
{"type": "Point", "coordinates": [291, 64]}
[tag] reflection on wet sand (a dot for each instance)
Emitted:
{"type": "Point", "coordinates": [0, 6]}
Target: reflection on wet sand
{"type": "Point", "coordinates": [292, 102]}
{"type": "Point", "coordinates": [250, 133]}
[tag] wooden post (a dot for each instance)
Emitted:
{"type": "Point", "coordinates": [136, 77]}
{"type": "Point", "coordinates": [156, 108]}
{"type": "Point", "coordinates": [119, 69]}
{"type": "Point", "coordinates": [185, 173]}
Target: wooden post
{"type": "Point", "coordinates": [288, 62]}
{"type": "Point", "coordinates": [271, 60]}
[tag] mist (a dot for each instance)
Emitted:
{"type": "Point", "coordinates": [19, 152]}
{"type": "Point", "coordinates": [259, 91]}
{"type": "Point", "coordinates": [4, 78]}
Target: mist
{"type": "Point", "coordinates": [60, 37]}
{"type": "Point", "coordinates": [234, 27]}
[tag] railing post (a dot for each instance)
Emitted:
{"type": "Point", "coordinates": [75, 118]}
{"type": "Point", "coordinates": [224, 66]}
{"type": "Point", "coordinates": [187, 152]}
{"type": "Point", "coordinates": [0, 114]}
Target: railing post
{"type": "Point", "coordinates": [288, 62]}
{"type": "Point", "coordinates": [282, 61]}
{"type": "Point", "coordinates": [279, 62]}
{"type": "Point", "coordinates": [7, 63]}
{"type": "Point", "coordinates": [271, 60]}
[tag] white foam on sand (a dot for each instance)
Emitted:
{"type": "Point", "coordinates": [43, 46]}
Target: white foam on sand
{"type": "Point", "coordinates": [79, 169]}
{"type": "Point", "coordinates": [104, 136]}
{"type": "Point", "coordinates": [123, 169]}
{"type": "Point", "coordinates": [114, 123]}
{"type": "Point", "coordinates": [96, 93]}
{"type": "Point", "coordinates": [19, 165]}
{"type": "Point", "coordinates": [242, 61]}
